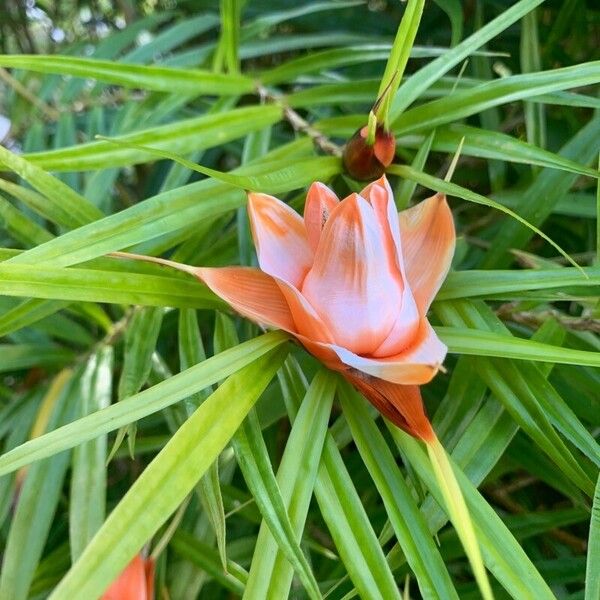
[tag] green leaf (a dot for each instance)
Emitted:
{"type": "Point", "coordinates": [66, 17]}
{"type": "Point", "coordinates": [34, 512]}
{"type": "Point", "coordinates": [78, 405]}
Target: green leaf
{"type": "Point", "coordinates": [88, 476]}
{"type": "Point", "coordinates": [205, 558]}
{"type": "Point", "coordinates": [592, 574]}
{"type": "Point", "coordinates": [158, 79]}
{"type": "Point", "coordinates": [351, 528]}
{"type": "Point", "coordinates": [20, 227]}
{"type": "Point", "coordinates": [501, 552]}
{"type": "Point", "coordinates": [142, 404]}
{"type": "Point", "coordinates": [49, 210]}
{"type": "Point", "coordinates": [14, 357]}
{"type": "Point", "coordinates": [485, 343]}
{"type": "Point", "coordinates": [489, 119]}
{"type": "Point", "coordinates": [497, 146]}
{"type": "Point", "coordinates": [140, 343]}
{"type": "Point", "coordinates": [270, 573]}
{"type": "Point", "coordinates": [464, 103]}
{"type": "Point", "coordinates": [38, 500]}
{"type": "Point", "coordinates": [456, 190]}
{"type": "Point", "coordinates": [455, 506]}
{"type": "Point", "coordinates": [198, 133]}
{"type": "Point", "coordinates": [531, 61]}
{"type": "Point", "coordinates": [16, 426]}
{"type": "Point", "coordinates": [425, 77]}
{"type": "Point", "coordinates": [492, 418]}
{"type": "Point", "coordinates": [265, 22]}
{"type": "Point", "coordinates": [177, 468]}
{"type": "Point", "coordinates": [542, 195]}
{"type": "Point", "coordinates": [253, 458]}
{"type": "Point", "coordinates": [408, 523]}
{"type": "Point", "coordinates": [93, 285]}
{"type": "Point", "coordinates": [266, 181]}
{"type": "Point", "coordinates": [191, 352]}
{"type": "Point", "coordinates": [453, 9]}
{"type": "Point", "coordinates": [394, 69]}
{"type": "Point", "coordinates": [326, 59]}
{"type": "Point", "coordinates": [511, 386]}
{"type": "Point", "coordinates": [407, 187]}
{"type": "Point", "coordinates": [71, 209]}
{"type": "Point", "coordinates": [170, 37]}
{"type": "Point", "coordinates": [66, 136]}
{"type": "Point", "coordinates": [174, 210]}
{"type": "Point", "coordinates": [227, 51]}
{"type": "Point", "coordinates": [464, 284]}
{"type": "Point", "coordinates": [341, 507]}
{"type": "Point", "coordinates": [27, 313]}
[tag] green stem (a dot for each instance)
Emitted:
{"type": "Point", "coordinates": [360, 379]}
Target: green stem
{"type": "Point", "coordinates": [403, 43]}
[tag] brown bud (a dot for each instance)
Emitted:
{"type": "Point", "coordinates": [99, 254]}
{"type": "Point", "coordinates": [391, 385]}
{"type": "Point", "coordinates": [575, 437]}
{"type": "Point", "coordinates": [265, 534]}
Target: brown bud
{"type": "Point", "coordinates": [365, 162]}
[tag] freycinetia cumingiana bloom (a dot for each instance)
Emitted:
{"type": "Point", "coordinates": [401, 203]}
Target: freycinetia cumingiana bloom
{"type": "Point", "coordinates": [352, 281]}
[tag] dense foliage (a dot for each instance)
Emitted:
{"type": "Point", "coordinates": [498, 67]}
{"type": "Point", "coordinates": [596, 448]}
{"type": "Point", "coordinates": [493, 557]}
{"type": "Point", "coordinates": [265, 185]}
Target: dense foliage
{"type": "Point", "coordinates": [138, 413]}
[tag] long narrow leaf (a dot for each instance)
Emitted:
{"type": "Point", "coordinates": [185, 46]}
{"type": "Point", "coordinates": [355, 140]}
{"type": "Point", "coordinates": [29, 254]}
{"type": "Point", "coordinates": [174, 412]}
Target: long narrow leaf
{"type": "Point", "coordinates": [161, 79]}
{"type": "Point", "coordinates": [177, 469]}
{"type": "Point", "coordinates": [407, 522]}
{"type": "Point", "coordinates": [145, 403]}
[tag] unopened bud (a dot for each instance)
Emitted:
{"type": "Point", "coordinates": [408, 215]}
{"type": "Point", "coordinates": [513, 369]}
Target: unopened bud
{"type": "Point", "coordinates": [363, 161]}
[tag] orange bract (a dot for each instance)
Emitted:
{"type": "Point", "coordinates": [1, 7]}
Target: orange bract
{"type": "Point", "coordinates": [352, 281]}
{"type": "Point", "coordinates": [136, 582]}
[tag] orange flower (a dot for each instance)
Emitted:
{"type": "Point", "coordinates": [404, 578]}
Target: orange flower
{"type": "Point", "coordinates": [136, 582]}
{"type": "Point", "coordinates": [352, 282]}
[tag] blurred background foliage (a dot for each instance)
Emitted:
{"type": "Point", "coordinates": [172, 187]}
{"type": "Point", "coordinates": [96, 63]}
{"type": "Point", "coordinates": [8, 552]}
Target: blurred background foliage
{"type": "Point", "coordinates": [521, 420]}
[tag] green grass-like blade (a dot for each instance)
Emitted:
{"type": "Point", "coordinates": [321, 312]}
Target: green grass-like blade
{"type": "Point", "coordinates": [502, 554]}
{"type": "Point", "coordinates": [495, 145]}
{"type": "Point", "coordinates": [456, 190]}
{"type": "Point", "coordinates": [14, 357]}
{"type": "Point", "coordinates": [20, 227]}
{"type": "Point", "coordinates": [141, 336]}
{"type": "Point", "coordinates": [351, 529]}
{"type": "Point", "coordinates": [592, 575]}
{"type": "Point", "coordinates": [425, 77]}
{"type": "Point", "coordinates": [188, 135]}
{"type": "Point", "coordinates": [464, 103]}
{"type": "Point", "coordinates": [206, 558]}
{"type": "Point", "coordinates": [473, 283]}
{"type": "Point", "coordinates": [512, 388]}
{"type": "Point", "coordinates": [29, 312]}
{"type": "Point", "coordinates": [459, 513]}
{"type": "Point", "coordinates": [254, 461]}
{"type": "Point", "coordinates": [174, 210]}
{"type": "Point", "coordinates": [399, 54]}
{"type": "Point", "coordinates": [158, 79]}
{"type": "Point", "coordinates": [407, 522]}
{"type": "Point", "coordinates": [266, 182]}
{"type": "Point", "coordinates": [539, 199]}
{"type": "Point", "coordinates": [484, 343]}
{"type": "Point", "coordinates": [191, 352]}
{"type": "Point", "coordinates": [88, 464]}
{"type": "Point", "coordinates": [38, 500]}
{"type": "Point", "coordinates": [270, 572]}
{"type": "Point", "coordinates": [406, 188]}
{"type": "Point", "coordinates": [90, 285]}
{"type": "Point", "coordinates": [72, 209]}
{"type": "Point", "coordinates": [142, 404]}
{"type": "Point", "coordinates": [177, 468]}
